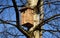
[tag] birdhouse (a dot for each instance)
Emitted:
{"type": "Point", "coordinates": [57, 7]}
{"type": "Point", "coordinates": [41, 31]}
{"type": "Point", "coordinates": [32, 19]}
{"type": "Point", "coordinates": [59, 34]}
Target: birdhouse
{"type": "Point", "coordinates": [27, 19]}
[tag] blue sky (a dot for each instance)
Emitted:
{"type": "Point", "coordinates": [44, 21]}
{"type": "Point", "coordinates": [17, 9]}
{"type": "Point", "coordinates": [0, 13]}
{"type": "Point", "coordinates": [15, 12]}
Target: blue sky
{"type": "Point", "coordinates": [9, 14]}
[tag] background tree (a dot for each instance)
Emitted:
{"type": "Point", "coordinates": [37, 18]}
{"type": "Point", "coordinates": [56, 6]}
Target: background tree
{"type": "Point", "coordinates": [9, 19]}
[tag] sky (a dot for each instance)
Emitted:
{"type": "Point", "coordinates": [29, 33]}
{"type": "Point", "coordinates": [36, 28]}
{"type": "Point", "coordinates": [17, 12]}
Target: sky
{"type": "Point", "coordinates": [9, 14]}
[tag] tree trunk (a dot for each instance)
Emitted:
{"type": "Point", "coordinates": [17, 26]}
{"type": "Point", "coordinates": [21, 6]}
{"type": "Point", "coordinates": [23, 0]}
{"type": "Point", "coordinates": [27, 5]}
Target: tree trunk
{"type": "Point", "coordinates": [30, 17]}
{"type": "Point", "coordinates": [41, 16]}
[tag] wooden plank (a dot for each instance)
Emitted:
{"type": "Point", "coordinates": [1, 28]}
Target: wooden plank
{"type": "Point", "coordinates": [27, 17]}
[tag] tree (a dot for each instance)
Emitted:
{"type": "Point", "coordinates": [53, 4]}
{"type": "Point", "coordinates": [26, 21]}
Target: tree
{"type": "Point", "coordinates": [10, 25]}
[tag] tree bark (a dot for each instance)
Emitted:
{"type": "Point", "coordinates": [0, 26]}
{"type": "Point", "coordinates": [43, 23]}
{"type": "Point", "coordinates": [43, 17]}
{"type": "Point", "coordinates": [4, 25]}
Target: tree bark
{"type": "Point", "coordinates": [30, 17]}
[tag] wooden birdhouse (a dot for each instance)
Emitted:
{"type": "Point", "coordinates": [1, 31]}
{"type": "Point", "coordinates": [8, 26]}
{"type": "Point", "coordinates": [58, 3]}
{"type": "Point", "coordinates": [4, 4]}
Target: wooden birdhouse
{"type": "Point", "coordinates": [27, 18]}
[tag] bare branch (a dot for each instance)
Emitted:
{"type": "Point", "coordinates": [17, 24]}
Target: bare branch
{"type": "Point", "coordinates": [14, 34]}
{"type": "Point", "coordinates": [18, 21]}
{"type": "Point", "coordinates": [47, 2]}
{"type": "Point", "coordinates": [50, 30]}
{"type": "Point", "coordinates": [2, 9]}
{"type": "Point", "coordinates": [5, 22]}
{"type": "Point", "coordinates": [45, 21]}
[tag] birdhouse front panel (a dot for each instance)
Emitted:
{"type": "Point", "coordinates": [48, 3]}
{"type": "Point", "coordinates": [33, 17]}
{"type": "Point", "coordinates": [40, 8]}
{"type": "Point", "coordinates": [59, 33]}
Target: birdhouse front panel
{"type": "Point", "coordinates": [27, 17]}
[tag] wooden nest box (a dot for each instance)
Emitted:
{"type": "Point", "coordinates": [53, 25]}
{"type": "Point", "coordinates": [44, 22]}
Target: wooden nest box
{"type": "Point", "coordinates": [27, 18]}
